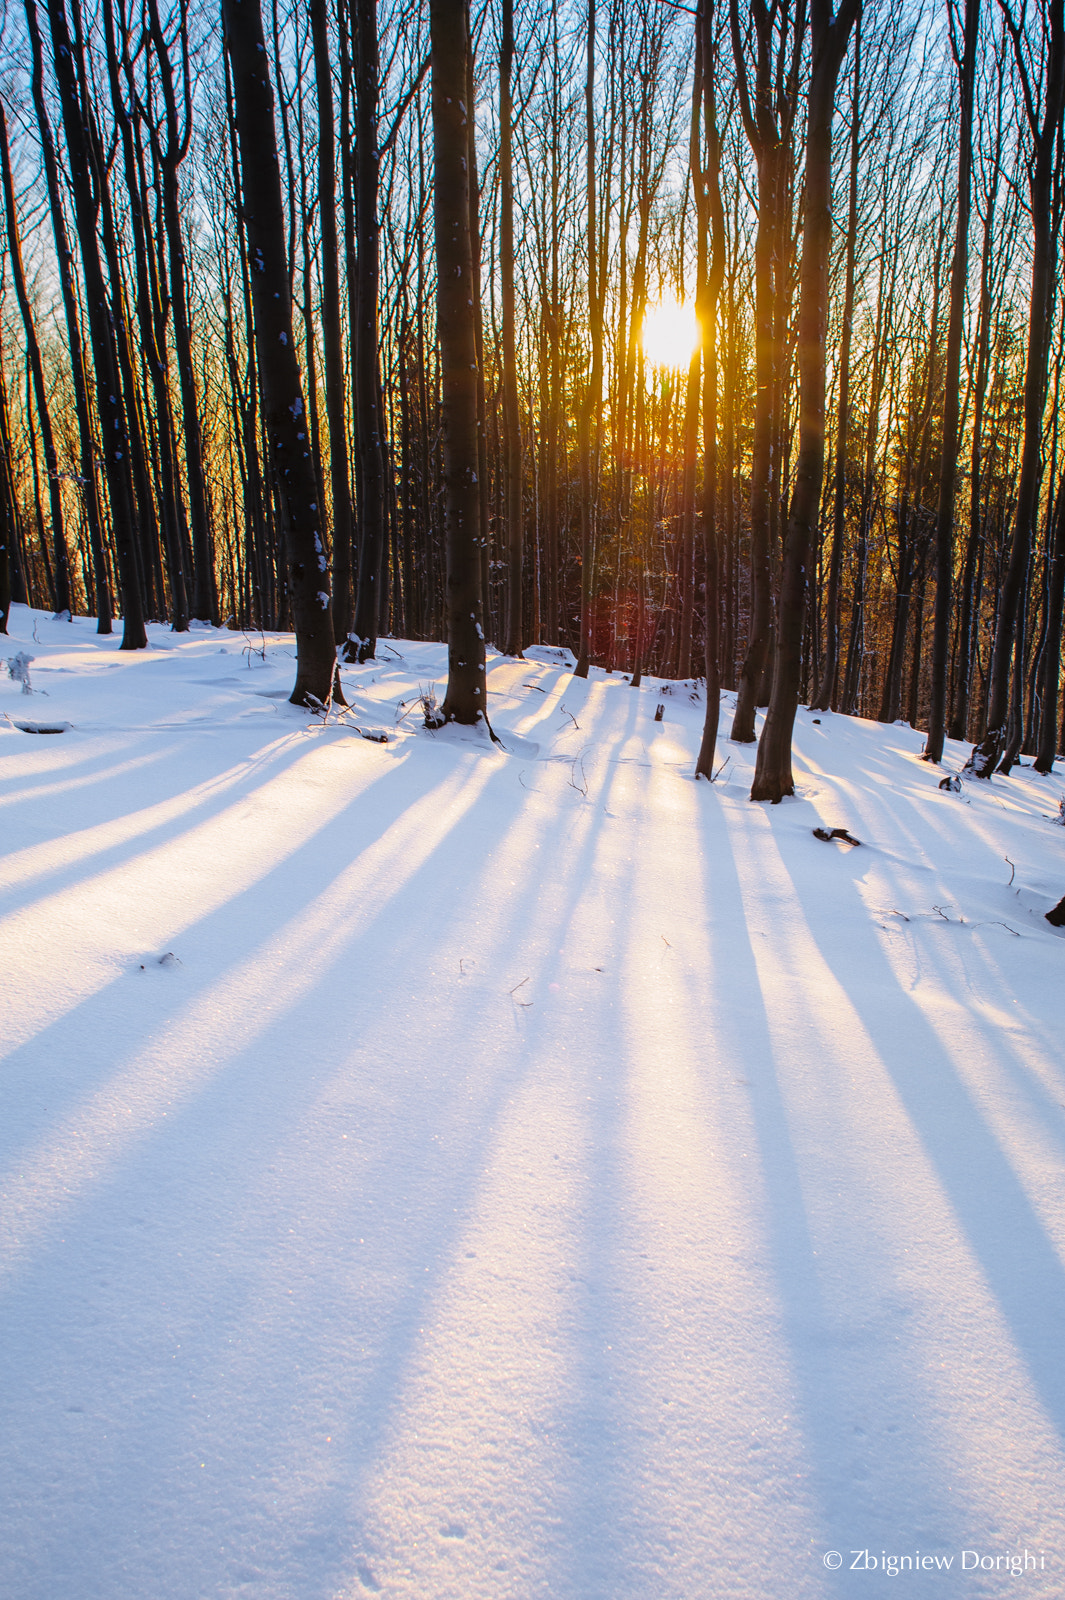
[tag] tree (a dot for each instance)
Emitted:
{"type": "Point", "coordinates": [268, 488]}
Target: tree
{"type": "Point", "coordinates": [944, 536]}
{"type": "Point", "coordinates": [466, 698]}
{"type": "Point", "coordinates": [284, 412]}
{"type": "Point", "coordinates": [87, 181]}
{"type": "Point", "coordinates": [829, 35]}
{"type": "Point", "coordinates": [1044, 121]}
{"type": "Point", "coordinates": [60, 565]}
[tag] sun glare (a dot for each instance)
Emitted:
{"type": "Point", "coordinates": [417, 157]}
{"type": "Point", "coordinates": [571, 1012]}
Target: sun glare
{"type": "Point", "coordinates": [670, 334]}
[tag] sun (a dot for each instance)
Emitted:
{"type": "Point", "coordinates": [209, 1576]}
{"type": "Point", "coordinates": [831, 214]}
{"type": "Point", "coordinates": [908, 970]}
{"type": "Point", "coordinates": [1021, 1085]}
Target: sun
{"type": "Point", "coordinates": [670, 333]}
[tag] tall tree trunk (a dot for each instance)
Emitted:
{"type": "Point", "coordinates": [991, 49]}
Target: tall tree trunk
{"type": "Point", "coordinates": [512, 520]}
{"type": "Point", "coordinates": [1045, 129]}
{"type": "Point", "coordinates": [284, 412]}
{"type": "Point", "coordinates": [937, 718]}
{"type": "Point", "coordinates": [1050, 666]}
{"type": "Point", "coordinates": [466, 697]}
{"type": "Point", "coordinates": [204, 599]}
{"type": "Point", "coordinates": [60, 564]}
{"type": "Point", "coordinates": [332, 327]}
{"type": "Point", "coordinates": [772, 775]}
{"type": "Point", "coordinates": [591, 410]}
{"type": "Point", "coordinates": [85, 179]}
{"type": "Point", "coordinates": [367, 408]}
{"type": "Point", "coordinates": [87, 447]}
{"type": "Point", "coordinates": [710, 248]}
{"type": "Point", "coordinates": [826, 697]}
{"type": "Point", "coordinates": [768, 108]}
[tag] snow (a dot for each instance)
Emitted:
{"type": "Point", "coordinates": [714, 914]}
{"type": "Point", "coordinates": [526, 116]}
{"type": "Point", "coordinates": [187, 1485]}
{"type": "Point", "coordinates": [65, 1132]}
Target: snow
{"type": "Point", "coordinates": [515, 1171]}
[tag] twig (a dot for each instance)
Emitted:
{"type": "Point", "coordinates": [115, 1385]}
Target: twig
{"type": "Point", "coordinates": [582, 787]}
{"type": "Point", "coordinates": [665, 941]}
{"type": "Point", "coordinates": [1013, 871]}
{"type": "Point", "coordinates": [720, 769]}
{"type": "Point", "coordinates": [571, 717]}
{"type": "Point", "coordinates": [513, 993]}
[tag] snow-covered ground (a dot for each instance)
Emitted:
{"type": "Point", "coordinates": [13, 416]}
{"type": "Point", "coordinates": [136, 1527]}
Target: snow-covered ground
{"type": "Point", "coordinates": [432, 1169]}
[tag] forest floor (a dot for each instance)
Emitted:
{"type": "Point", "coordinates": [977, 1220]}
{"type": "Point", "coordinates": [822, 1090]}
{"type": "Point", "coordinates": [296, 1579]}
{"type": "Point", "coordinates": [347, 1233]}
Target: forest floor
{"type": "Point", "coordinates": [516, 1172]}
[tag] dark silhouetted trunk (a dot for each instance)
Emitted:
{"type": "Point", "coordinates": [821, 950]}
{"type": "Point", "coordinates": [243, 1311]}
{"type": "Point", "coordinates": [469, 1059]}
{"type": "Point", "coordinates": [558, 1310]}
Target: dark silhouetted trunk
{"type": "Point", "coordinates": [772, 775]}
{"type": "Point", "coordinates": [948, 472]}
{"type": "Point", "coordinates": [465, 700]}
{"type": "Point", "coordinates": [284, 412]}
{"type": "Point", "coordinates": [1043, 178]}
{"type": "Point", "coordinates": [85, 180]}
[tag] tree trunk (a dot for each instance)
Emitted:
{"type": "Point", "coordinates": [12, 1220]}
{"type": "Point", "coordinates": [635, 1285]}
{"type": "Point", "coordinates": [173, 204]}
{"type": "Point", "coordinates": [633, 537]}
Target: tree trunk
{"type": "Point", "coordinates": [60, 564]}
{"type": "Point", "coordinates": [773, 775]}
{"type": "Point", "coordinates": [332, 327]}
{"type": "Point", "coordinates": [84, 180]}
{"type": "Point", "coordinates": [367, 408]}
{"type": "Point", "coordinates": [710, 244]}
{"type": "Point", "coordinates": [827, 694]}
{"type": "Point", "coordinates": [1050, 666]}
{"type": "Point", "coordinates": [466, 697]}
{"type": "Point", "coordinates": [87, 459]}
{"type": "Point", "coordinates": [937, 717]}
{"type": "Point", "coordinates": [1043, 179]}
{"type": "Point", "coordinates": [284, 413]}
{"type": "Point", "coordinates": [591, 410]}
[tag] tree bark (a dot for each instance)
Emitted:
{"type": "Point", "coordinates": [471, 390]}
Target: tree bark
{"type": "Point", "coordinates": [1046, 134]}
{"type": "Point", "coordinates": [773, 775]}
{"type": "Point", "coordinates": [827, 694]}
{"type": "Point", "coordinates": [944, 536]}
{"type": "Point", "coordinates": [85, 180]}
{"type": "Point", "coordinates": [367, 408]}
{"type": "Point", "coordinates": [466, 697]}
{"type": "Point", "coordinates": [284, 413]}
{"type": "Point", "coordinates": [60, 563]}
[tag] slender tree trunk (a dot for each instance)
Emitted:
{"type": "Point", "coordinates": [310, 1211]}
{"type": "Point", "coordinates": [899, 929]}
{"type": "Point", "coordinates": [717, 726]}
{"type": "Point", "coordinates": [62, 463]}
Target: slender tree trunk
{"type": "Point", "coordinates": [87, 462]}
{"type": "Point", "coordinates": [1050, 666]}
{"type": "Point", "coordinates": [937, 721]}
{"type": "Point", "coordinates": [204, 599]}
{"type": "Point", "coordinates": [710, 251]}
{"type": "Point", "coordinates": [284, 412]}
{"type": "Point", "coordinates": [1046, 141]}
{"type": "Point", "coordinates": [84, 182]}
{"type": "Point", "coordinates": [512, 497]}
{"type": "Point", "coordinates": [826, 697]}
{"type": "Point", "coordinates": [466, 697]}
{"type": "Point", "coordinates": [60, 564]}
{"type": "Point", "coordinates": [593, 399]}
{"type": "Point", "coordinates": [773, 776]}
{"type": "Point", "coordinates": [367, 407]}
{"type": "Point", "coordinates": [332, 326]}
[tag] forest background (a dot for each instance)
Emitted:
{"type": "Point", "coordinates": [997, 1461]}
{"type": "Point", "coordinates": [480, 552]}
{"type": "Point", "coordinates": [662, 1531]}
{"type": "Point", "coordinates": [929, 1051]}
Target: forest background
{"type": "Point", "coordinates": [631, 502]}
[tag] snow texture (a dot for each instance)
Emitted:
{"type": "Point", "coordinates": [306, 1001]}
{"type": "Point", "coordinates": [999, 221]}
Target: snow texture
{"type": "Point", "coordinates": [456, 1170]}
